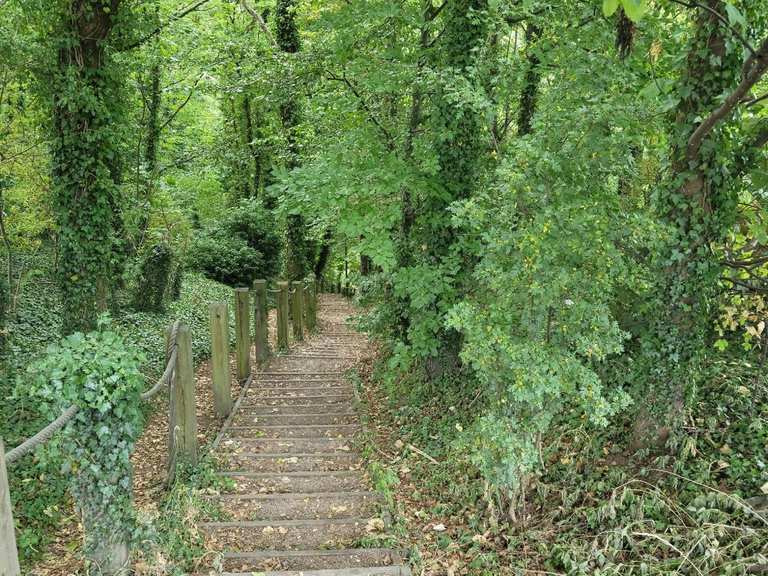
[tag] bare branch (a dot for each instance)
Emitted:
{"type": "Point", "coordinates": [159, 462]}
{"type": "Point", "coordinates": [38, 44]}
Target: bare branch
{"type": "Point", "coordinates": [756, 100]}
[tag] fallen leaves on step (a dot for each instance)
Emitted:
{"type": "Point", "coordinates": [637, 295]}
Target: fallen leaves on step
{"type": "Point", "coordinates": [374, 525]}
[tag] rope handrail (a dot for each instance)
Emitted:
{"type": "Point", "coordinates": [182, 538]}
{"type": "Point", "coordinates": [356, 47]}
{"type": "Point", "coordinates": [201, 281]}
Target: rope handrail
{"type": "Point", "coordinates": [43, 436]}
{"type": "Point", "coordinates": [46, 433]}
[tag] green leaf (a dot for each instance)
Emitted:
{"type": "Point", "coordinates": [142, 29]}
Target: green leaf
{"type": "Point", "coordinates": [721, 344]}
{"type": "Point", "coordinates": [635, 9]}
{"type": "Point", "coordinates": [610, 7]}
{"type": "Point", "coordinates": [735, 17]}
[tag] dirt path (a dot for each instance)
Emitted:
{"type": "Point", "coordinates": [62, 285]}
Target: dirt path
{"type": "Point", "coordinates": [300, 502]}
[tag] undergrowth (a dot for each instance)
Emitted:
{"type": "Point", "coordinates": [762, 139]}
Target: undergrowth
{"type": "Point", "coordinates": [698, 507]}
{"type": "Point", "coordinates": [175, 546]}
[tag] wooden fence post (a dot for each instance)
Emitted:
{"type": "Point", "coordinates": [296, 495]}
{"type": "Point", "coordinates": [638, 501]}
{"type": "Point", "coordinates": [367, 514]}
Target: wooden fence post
{"type": "Point", "coordinates": [243, 332]}
{"type": "Point", "coordinates": [309, 307]}
{"type": "Point", "coordinates": [282, 315]}
{"type": "Point", "coordinates": [173, 419]}
{"type": "Point", "coordinates": [260, 320]}
{"type": "Point", "coordinates": [183, 419]}
{"type": "Point", "coordinates": [9, 555]}
{"type": "Point", "coordinates": [298, 310]}
{"type": "Point", "coordinates": [222, 387]}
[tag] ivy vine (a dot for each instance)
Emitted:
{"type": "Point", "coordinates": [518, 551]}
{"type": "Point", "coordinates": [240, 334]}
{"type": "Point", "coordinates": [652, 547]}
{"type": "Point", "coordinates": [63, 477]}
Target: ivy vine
{"type": "Point", "coordinates": [100, 373]}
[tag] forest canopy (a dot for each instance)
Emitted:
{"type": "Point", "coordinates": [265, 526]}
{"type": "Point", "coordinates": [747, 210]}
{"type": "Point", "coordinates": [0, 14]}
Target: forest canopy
{"type": "Point", "coordinates": [554, 214]}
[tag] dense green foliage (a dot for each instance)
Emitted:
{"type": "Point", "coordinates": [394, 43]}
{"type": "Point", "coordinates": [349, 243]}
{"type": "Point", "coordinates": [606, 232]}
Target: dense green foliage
{"type": "Point", "coordinates": [155, 277]}
{"type": "Point", "coordinates": [554, 211]}
{"type": "Point", "coordinates": [99, 373]}
{"type": "Point", "coordinates": [239, 248]}
{"type": "Point", "coordinates": [37, 322]}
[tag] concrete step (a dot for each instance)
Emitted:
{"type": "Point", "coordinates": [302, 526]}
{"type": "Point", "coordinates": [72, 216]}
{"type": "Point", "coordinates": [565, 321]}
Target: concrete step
{"type": "Point", "coordinates": [325, 399]}
{"type": "Point", "coordinates": [304, 534]}
{"type": "Point", "coordinates": [374, 571]}
{"type": "Point", "coordinates": [292, 462]}
{"type": "Point", "coordinates": [298, 380]}
{"type": "Point", "coordinates": [300, 373]}
{"type": "Point", "coordinates": [288, 388]}
{"type": "Point", "coordinates": [295, 431]}
{"type": "Point", "coordinates": [286, 417]}
{"type": "Point", "coordinates": [295, 482]}
{"type": "Point", "coordinates": [262, 410]}
{"type": "Point", "coordinates": [255, 394]}
{"type": "Point", "coordinates": [319, 561]}
{"type": "Point", "coordinates": [314, 505]}
{"type": "Point", "coordinates": [287, 445]}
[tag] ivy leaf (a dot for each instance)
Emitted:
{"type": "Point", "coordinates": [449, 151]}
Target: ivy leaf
{"type": "Point", "coordinates": [610, 7]}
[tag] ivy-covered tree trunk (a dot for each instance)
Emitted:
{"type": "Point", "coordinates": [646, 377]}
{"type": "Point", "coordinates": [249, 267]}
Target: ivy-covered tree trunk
{"type": "Point", "coordinates": [85, 95]}
{"type": "Point", "coordinates": [698, 206]}
{"type": "Point", "coordinates": [530, 92]}
{"type": "Point", "coordinates": [298, 263]}
{"type": "Point", "coordinates": [250, 137]}
{"type": "Point", "coordinates": [461, 144]}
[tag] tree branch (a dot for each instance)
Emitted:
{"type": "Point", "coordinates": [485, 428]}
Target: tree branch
{"type": "Point", "coordinates": [183, 104]}
{"type": "Point", "coordinates": [754, 69]}
{"type": "Point", "coordinates": [371, 116]}
{"type": "Point", "coordinates": [722, 19]}
{"type": "Point", "coordinates": [762, 136]}
{"type": "Point", "coordinates": [260, 21]}
{"type": "Point", "coordinates": [174, 18]}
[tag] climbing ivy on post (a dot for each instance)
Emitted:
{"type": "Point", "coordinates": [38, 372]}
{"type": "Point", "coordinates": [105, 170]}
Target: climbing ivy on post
{"type": "Point", "coordinates": [85, 92]}
{"type": "Point", "coordinates": [100, 373]}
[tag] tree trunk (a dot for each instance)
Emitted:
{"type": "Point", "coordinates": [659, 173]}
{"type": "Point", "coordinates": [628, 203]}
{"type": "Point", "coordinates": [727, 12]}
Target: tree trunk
{"type": "Point", "coordinates": [694, 205]}
{"type": "Point", "coordinates": [530, 91]}
{"type": "Point", "coordinates": [298, 257]}
{"type": "Point", "coordinates": [85, 158]}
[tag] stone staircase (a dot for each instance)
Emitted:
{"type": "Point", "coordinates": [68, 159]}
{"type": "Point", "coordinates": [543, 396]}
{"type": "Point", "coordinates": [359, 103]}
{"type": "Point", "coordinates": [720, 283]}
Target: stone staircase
{"type": "Point", "coordinates": [300, 503]}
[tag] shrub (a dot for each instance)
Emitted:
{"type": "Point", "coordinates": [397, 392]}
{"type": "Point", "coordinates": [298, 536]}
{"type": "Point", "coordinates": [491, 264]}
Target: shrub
{"type": "Point", "coordinates": [226, 259]}
{"type": "Point", "coordinates": [100, 373]}
{"type": "Point", "coordinates": [251, 222]}
{"type": "Point", "coordinates": [154, 278]}
{"type": "Point", "coordinates": [240, 248]}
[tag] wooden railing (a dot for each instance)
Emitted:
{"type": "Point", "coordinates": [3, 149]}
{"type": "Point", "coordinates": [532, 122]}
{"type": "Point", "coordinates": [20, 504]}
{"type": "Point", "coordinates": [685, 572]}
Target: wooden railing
{"type": "Point", "coordinates": [296, 304]}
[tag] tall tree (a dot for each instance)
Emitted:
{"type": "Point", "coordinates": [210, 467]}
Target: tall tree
{"type": "Point", "coordinates": [460, 143]}
{"type": "Point", "coordinates": [698, 204]}
{"type": "Point", "coordinates": [298, 262]}
{"type": "Point", "coordinates": [85, 95]}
